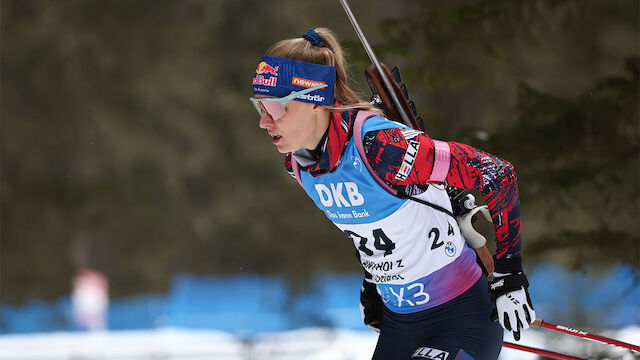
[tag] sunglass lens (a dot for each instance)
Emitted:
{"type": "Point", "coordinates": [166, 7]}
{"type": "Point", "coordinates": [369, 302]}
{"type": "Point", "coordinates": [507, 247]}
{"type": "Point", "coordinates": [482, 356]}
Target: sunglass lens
{"type": "Point", "coordinates": [274, 109]}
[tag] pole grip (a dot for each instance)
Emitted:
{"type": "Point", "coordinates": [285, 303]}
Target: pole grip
{"type": "Point", "coordinates": [537, 323]}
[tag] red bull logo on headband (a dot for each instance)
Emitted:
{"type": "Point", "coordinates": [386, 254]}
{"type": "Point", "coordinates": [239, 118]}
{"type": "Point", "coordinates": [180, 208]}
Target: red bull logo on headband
{"type": "Point", "coordinates": [261, 80]}
{"type": "Point", "coordinates": [264, 68]}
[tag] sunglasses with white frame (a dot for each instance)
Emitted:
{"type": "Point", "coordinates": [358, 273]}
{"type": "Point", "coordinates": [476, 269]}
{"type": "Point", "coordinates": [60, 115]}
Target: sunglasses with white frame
{"type": "Point", "coordinates": [275, 107]}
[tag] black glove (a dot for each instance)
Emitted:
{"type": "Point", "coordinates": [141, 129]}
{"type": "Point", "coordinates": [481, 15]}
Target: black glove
{"type": "Point", "coordinates": [513, 304]}
{"type": "Point", "coordinates": [370, 305]}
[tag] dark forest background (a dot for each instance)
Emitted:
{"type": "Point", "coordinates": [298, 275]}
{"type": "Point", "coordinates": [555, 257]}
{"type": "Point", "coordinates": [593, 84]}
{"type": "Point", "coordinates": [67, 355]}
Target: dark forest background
{"type": "Point", "coordinates": [129, 144]}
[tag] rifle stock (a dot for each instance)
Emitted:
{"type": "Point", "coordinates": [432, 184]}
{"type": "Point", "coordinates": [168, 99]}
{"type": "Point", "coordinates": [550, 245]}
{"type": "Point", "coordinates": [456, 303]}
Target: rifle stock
{"type": "Point", "coordinates": [376, 84]}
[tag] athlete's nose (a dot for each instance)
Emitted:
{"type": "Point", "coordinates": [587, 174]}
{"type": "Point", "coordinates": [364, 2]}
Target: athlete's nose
{"type": "Point", "coordinates": [265, 121]}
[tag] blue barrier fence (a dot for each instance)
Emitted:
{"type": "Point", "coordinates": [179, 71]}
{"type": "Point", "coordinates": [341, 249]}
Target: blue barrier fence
{"type": "Point", "coordinates": [248, 304]}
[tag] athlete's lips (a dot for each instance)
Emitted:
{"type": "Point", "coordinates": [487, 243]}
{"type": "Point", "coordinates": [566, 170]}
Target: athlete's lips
{"type": "Point", "coordinates": [275, 138]}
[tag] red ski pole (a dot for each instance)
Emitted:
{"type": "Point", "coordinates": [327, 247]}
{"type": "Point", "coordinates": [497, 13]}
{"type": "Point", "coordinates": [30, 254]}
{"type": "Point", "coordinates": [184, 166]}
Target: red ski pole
{"type": "Point", "coordinates": [551, 354]}
{"type": "Point", "coordinates": [583, 334]}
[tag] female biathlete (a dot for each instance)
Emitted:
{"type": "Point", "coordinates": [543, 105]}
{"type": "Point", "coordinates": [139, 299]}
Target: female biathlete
{"type": "Point", "coordinates": [424, 290]}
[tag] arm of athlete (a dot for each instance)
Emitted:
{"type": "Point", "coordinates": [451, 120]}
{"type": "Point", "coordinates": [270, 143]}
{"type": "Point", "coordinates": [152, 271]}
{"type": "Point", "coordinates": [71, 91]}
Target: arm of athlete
{"type": "Point", "coordinates": [404, 159]}
{"type": "Point", "coordinates": [470, 168]}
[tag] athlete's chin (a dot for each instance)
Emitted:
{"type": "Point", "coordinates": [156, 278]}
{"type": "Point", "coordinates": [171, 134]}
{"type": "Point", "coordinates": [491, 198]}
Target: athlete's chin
{"type": "Point", "coordinates": [286, 148]}
{"type": "Point", "coordinates": [283, 149]}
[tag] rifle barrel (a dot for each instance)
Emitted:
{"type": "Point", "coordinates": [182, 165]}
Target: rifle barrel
{"type": "Point", "coordinates": [374, 59]}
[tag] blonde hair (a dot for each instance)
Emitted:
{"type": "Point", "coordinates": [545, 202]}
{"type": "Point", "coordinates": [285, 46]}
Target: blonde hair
{"type": "Point", "coordinates": [328, 52]}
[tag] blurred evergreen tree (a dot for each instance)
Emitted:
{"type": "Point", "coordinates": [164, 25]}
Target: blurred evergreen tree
{"type": "Point", "coordinates": [128, 145]}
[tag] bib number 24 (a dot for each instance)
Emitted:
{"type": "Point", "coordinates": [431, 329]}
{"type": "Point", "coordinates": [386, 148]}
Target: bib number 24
{"type": "Point", "coordinates": [382, 242]}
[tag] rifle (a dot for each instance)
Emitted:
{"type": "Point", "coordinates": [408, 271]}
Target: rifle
{"type": "Point", "coordinates": [392, 97]}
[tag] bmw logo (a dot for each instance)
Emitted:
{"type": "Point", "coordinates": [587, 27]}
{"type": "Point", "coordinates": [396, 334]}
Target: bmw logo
{"type": "Point", "coordinates": [357, 163]}
{"type": "Point", "coordinates": [450, 249]}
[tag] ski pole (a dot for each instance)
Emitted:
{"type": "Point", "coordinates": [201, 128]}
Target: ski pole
{"type": "Point", "coordinates": [539, 323]}
{"type": "Point", "coordinates": [551, 354]}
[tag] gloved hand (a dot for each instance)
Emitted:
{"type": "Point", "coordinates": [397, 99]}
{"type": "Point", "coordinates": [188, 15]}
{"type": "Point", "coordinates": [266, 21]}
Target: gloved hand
{"type": "Point", "coordinates": [513, 305]}
{"type": "Point", "coordinates": [370, 305]}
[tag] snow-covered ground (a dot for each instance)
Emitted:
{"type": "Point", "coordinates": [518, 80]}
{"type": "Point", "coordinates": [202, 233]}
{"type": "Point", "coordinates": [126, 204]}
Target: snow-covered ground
{"type": "Point", "coordinates": [310, 344]}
